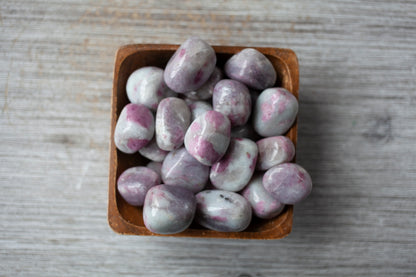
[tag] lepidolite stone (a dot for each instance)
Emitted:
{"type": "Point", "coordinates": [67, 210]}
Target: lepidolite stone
{"type": "Point", "coordinates": [234, 170]}
{"type": "Point", "coordinates": [208, 137]}
{"type": "Point", "coordinates": [274, 151]}
{"type": "Point", "coordinates": [146, 86]}
{"type": "Point", "coordinates": [181, 169]}
{"type": "Point", "coordinates": [232, 99]}
{"type": "Point", "coordinates": [223, 211]}
{"type": "Point", "coordinates": [134, 129]}
{"type": "Point", "coordinates": [168, 209]}
{"type": "Point", "coordinates": [288, 183]}
{"type": "Point", "coordinates": [274, 112]}
{"type": "Point", "coordinates": [191, 66]}
{"type": "Point", "coordinates": [252, 68]}
{"type": "Point", "coordinates": [152, 151]}
{"type": "Point", "coordinates": [263, 204]}
{"type": "Point", "coordinates": [134, 183]}
{"type": "Point", "coordinates": [172, 120]}
{"type": "Point", "coordinates": [205, 92]}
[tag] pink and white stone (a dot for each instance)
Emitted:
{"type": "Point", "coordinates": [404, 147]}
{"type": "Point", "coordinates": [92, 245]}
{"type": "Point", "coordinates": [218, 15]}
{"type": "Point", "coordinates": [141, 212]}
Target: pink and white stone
{"type": "Point", "coordinates": [168, 209]}
{"type": "Point", "coordinates": [172, 120]}
{"type": "Point", "coordinates": [274, 112]}
{"type": "Point", "coordinates": [263, 204]}
{"type": "Point", "coordinates": [274, 151]}
{"type": "Point", "coordinates": [208, 137]}
{"type": "Point", "coordinates": [146, 86]}
{"type": "Point", "coordinates": [152, 151]}
{"type": "Point", "coordinates": [232, 98]}
{"type": "Point", "coordinates": [134, 183]}
{"type": "Point", "coordinates": [223, 211]}
{"type": "Point", "coordinates": [181, 169]}
{"type": "Point", "coordinates": [190, 66]}
{"type": "Point", "coordinates": [252, 68]}
{"type": "Point", "coordinates": [198, 107]}
{"type": "Point", "coordinates": [205, 92]}
{"type": "Point", "coordinates": [234, 170]}
{"type": "Point", "coordinates": [134, 129]}
{"type": "Point", "coordinates": [288, 183]}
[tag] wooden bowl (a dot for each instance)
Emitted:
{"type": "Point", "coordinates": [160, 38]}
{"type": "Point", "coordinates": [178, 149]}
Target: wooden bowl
{"type": "Point", "coordinates": [126, 219]}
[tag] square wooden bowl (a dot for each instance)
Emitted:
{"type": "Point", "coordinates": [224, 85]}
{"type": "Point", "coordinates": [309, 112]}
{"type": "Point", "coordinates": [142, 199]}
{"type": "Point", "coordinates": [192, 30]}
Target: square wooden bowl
{"type": "Point", "coordinates": [126, 219]}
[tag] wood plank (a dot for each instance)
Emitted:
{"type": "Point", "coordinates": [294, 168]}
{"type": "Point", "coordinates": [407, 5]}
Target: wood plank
{"type": "Point", "coordinates": [357, 125]}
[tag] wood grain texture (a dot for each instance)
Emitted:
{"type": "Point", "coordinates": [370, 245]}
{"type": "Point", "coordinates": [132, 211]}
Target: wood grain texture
{"type": "Point", "coordinates": [357, 129]}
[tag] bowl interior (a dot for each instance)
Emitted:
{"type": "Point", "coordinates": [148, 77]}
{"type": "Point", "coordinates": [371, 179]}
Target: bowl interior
{"type": "Point", "coordinates": [132, 216]}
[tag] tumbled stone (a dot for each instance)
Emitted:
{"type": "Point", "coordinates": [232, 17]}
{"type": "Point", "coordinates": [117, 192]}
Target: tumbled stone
{"type": "Point", "coordinates": [146, 86]}
{"type": "Point", "coordinates": [288, 183]}
{"type": "Point", "coordinates": [232, 99]}
{"type": "Point", "coordinates": [274, 151]}
{"type": "Point", "coordinates": [252, 68]}
{"type": "Point", "coordinates": [223, 211]}
{"type": "Point", "coordinates": [275, 112]}
{"type": "Point", "coordinates": [134, 129]}
{"type": "Point", "coordinates": [208, 137]}
{"type": "Point", "coordinates": [181, 169]}
{"type": "Point", "coordinates": [168, 209]}
{"type": "Point", "coordinates": [172, 120]}
{"type": "Point", "coordinates": [190, 66]}
{"type": "Point", "coordinates": [263, 204]}
{"type": "Point", "coordinates": [134, 183]}
{"type": "Point", "coordinates": [234, 170]}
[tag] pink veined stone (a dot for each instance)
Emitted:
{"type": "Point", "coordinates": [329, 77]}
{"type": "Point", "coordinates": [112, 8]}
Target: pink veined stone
{"type": "Point", "coordinates": [208, 137]}
{"type": "Point", "coordinates": [168, 209]}
{"type": "Point", "coordinates": [181, 169]}
{"type": "Point", "coordinates": [288, 183]}
{"type": "Point", "coordinates": [134, 128]}
{"type": "Point", "coordinates": [223, 211]}
{"type": "Point", "coordinates": [234, 170]}
{"type": "Point", "coordinates": [274, 112]}
{"type": "Point", "coordinates": [134, 183]}
{"type": "Point", "coordinates": [263, 204]}
{"type": "Point", "coordinates": [190, 66]}
{"type": "Point", "coordinates": [274, 151]}
{"type": "Point", "coordinates": [172, 120]}
{"type": "Point", "coordinates": [146, 86]}
{"type": "Point", "coordinates": [232, 98]}
{"type": "Point", "coordinates": [252, 68]}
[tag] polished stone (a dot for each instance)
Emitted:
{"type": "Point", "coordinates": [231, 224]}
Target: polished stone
{"type": "Point", "coordinates": [168, 209]}
{"type": "Point", "coordinates": [208, 137]}
{"type": "Point", "coordinates": [223, 211]}
{"type": "Point", "coordinates": [275, 112]}
{"type": "Point", "coordinates": [234, 170]}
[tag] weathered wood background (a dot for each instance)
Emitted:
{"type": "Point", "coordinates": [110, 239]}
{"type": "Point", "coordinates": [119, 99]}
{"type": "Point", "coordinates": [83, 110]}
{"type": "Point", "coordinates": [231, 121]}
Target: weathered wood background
{"type": "Point", "coordinates": [357, 136]}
